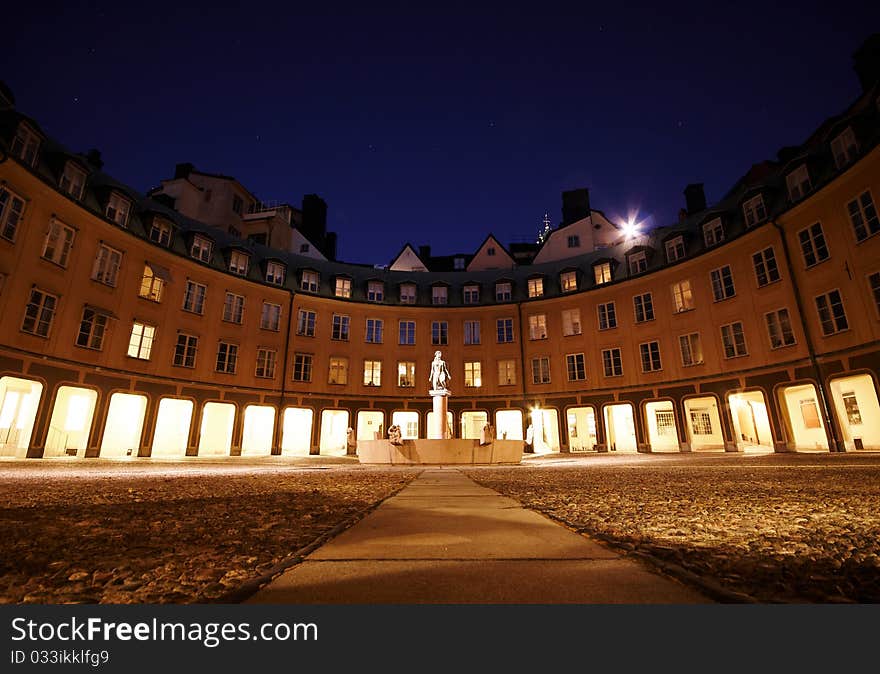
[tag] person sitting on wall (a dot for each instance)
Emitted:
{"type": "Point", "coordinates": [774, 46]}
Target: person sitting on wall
{"type": "Point", "coordinates": [394, 436]}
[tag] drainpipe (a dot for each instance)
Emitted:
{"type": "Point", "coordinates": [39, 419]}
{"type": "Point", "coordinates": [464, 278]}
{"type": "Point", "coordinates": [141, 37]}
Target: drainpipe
{"type": "Point", "coordinates": [831, 430]}
{"type": "Point", "coordinates": [280, 423]}
{"type": "Point", "coordinates": [522, 359]}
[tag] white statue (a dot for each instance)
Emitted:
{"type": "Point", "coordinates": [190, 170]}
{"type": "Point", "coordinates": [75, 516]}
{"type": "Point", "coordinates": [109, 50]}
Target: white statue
{"type": "Point", "coordinates": [439, 373]}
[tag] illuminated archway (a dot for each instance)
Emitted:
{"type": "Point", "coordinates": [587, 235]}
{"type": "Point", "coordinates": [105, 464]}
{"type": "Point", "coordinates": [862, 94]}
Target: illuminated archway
{"type": "Point", "coordinates": [620, 428]}
{"type": "Point", "coordinates": [296, 431]}
{"type": "Point", "coordinates": [334, 432]}
{"type": "Point", "coordinates": [857, 407]}
{"type": "Point", "coordinates": [370, 425]}
{"type": "Point", "coordinates": [408, 421]}
{"type": "Point", "coordinates": [703, 424]}
{"type": "Point", "coordinates": [125, 423]}
{"type": "Point", "coordinates": [172, 428]}
{"type": "Point", "coordinates": [472, 424]}
{"type": "Point", "coordinates": [19, 400]}
{"type": "Point", "coordinates": [801, 408]}
{"type": "Point", "coordinates": [215, 434]}
{"type": "Point", "coordinates": [71, 421]}
{"type": "Point", "coordinates": [544, 430]}
{"type": "Point", "coordinates": [751, 424]}
{"type": "Point", "coordinates": [662, 429]}
{"type": "Point", "coordinates": [259, 427]}
{"type": "Point", "coordinates": [509, 424]}
{"type": "Point", "coordinates": [581, 425]}
{"type": "Point", "coordinates": [450, 421]}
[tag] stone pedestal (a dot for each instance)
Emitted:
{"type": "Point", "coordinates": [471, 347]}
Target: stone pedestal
{"type": "Point", "coordinates": [437, 429]}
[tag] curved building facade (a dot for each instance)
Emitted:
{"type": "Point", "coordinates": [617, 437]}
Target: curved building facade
{"type": "Point", "coordinates": [131, 330]}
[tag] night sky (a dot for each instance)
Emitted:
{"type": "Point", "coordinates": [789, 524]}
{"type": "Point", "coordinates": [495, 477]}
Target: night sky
{"type": "Point", "coordinates": [438, 126]}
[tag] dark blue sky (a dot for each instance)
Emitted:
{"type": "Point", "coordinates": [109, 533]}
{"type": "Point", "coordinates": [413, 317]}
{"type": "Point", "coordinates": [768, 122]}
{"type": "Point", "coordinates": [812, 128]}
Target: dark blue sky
{"type": "Point", "coordinates": [439, 125]}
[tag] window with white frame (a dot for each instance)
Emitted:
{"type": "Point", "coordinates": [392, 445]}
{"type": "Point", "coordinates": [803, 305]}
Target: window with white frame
{"type": "Point", "coordinates": [118, 208]}
{"type": "Point", "coordinates": [644, 307]}
{"type": "Point", "coordinates": [571, 322]}
{"type": "Point", "coordinates": [701, 421]}
{"type": "Point", "coordinates": [568, 281]}
{"type": "Point", "coordinates": [309, 281]}
{"type": "Point", "coordinates": [239, 262]}
{"type": "Point", "coordinates": [233, 308]}
{"type": "Point", "coordinates": [779, 328]}
{"type": "Point", "coordinates": [733, 339]}
{"type": "Point", "coordinates": [185, 350]}
{"type": "Point", "coordinates": [506, 372]}
{"type": "Point", "coordinates": [372, 373]}
{"type": "Point", "coordinates": [682, 296]}
{"type": "Point", "coordinates": [73, 180]}
{"type": "Point", "coordinates": [140, 343]}
{"type": "Point", "coordinates": [713, 232]}
{"type": "Point", "coordinates": [439, 295]}
{"type": "Point", "coordinates": [106, 267]}
{"type": "Point", "coordinates": [602, 273]}
{"type": "Point", "coordinates": [536, 287]}
{"type": "Point", "coordinates": [375, 291]}
{"type": "Point", "coordinates": [754, 210]}
{"type": "Point", "coordinates": [11, 211]}
{"type": "Point", "coordinates": [406, 333]}
{"type": "Point", "coordinates": [25, 145]}
{"type": "Point", "coordinates": [92, 327]}
{"type": "Point", "coordinates": [275, 272]}
{"type": "Point", "coordinates": [39, 313]}
{"type": "Point", "coordinates": [343, 287]}
{"type": "Point", "coordinates": [798, 182]}
{"type": "Point", "coordinates": [766, 269]}
{"type": "Point", "coordinates": [650, 356]}
{"type": "Point", "coordinates": [471, 332]}
{"type": "Point", "coordinates": [844, 148]}
{"type": "Point", "coordinates": [813, 246]}
{"type": "Point", "coordinates": [832, 315]}
{"type": "Point", "coordinates": [863, 216]}
{"type": "Point", "coordinates": [160, 232]}
{"type": "Point", "coordinates": [575, 367]}
{"type": "Point", "coordinates": [638, 262]}
{"type": "Point", "coordinates": [473, 375]}
{"type": "Point", "coordinates": [202, 248]}
{"type": "Point", "coordinates": [504, 327]}
{"type": "Point", "coordinates": [472, 294]}
{"type": "Point", "coordinates": [59, 241]}
{"type": "Point", "coordinates": [439, 333]}
{"type": "Point", "coordinates": [152, 285]}
{"type": "Point", "coordinates": [538, 326]}
{"type": "Point", "coordinates": [503, 291]}
{"type": "Point", "coordinates": [339, 327]}
{"type": "Point", "coordinates": [270, 317]}
{"type": "Point", "coordinates": [266, 360]}
{"type": "Point", "coordinates": [305, 323]}
{"type": "Point", "coordinates": [302, 367]}
{"type": "Point", "coordinates": [338, 370]}
{"type": "Point", "coordinates": [675, 249]}
{"type": "Point", "coordinates": [722, 283]}
{"type": "Point", "coordinates": [691, 348]}
{"type": "Point", "coordinates": [607, 316]}
{"type": "Point", "coordinates": [612, 365]}
{"type": "Point", "coordinates": [541, 370]}
{"type": "Point", "coordinates": [374, 330]}
{"type": "Point", "coordinates": [406, 374]}
{"type": "Point", "coordinates": [227, 357]}
{"type": "Point", "coordinates": [407, 293]}
{"type": "Point", "coordinates": [194, 297]}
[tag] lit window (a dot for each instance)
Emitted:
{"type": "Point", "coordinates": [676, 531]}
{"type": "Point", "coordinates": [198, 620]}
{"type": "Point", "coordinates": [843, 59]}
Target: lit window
{"type": "Point", "coordinates": [152, 285]}
{"type": "Point", "coordinates": [25, 145]}
{"type": "Point", "coordinates": [302, 367]}
{"type": "Point", "coordinates": [472, 332]}
{"type": "Point", "coordinates": [140, 344]}
{"type": "Point", "coordinates": [503, 292]}
{"type": "Point", "coordinates": [733, 340]}
{"type": "Point", "coordinates": [574, 363]}
{"type": "Point", "coordinates": [571, 322]}
{"type": "Point", "coordinates": [675, 249]}
{"type": "Point", "coordinates": [73, 180]}
{"type": "Point", "coordinates": [91, 329]}
{"type": "Point", "coordinates": [375, 291]}
{"type": "Point", "coordinates": [754, 210]}
{"type": "Point", "coordinates": [407, 293]}
{"type": "Point", "coordinates": [194, 297]}
{"type": "Point", "coordinates": [538, 326]}
{"type": "Point", "coordinates": [650, 356]}
{"type": "Point", "coordinates": [117, 209]}
{"type": "Point", "coordinates": [701, 421]}
{"type": "Point", "coordinates": [766, 269]}
{"type": "Point", "coordinates": [266, 359]}
{"type": "Point", "coordinates": [185, 350]}
{"type": "Point", "coordinates": [406, 374]}
{"type": "Point", "coordinates": [372, 373]}
{"type": "Point", "coordinates": [607, 316]}
{"type": "Point", "coordinates": [59, 241]}
{"type": "Point", "coordinates": [11, 210]}
{"type": "Point", "coordinates": [612, 365]}
{"type": "Point", "coordinates": [506, 372]}
{"type": "Point", "coordinates": [305, 323]}
{"type": "Point", "coordinates": [275, 273]}
{"type": "Point", "coordinates": [638, 262]}
{"type": "Point", "coordinates": [682, 297]}
{"type": "Point", "coordinates": [340, 326]}
{"type": "Point", "coordinates": [504, 328]}
{"type": "Point", "coordinates": [473, 377]}
{"type": "Point", "coordinates": [338, 371]}
{"type": "Point", "coordinates": [439, 333]}
{"type": "Point", "coordinates": [844, 148]}
{"type": "Point", "coordinates": [227, 357]}
{"type": "Point", "coordinates": [691, 349]}
{"type": "Point", "coordinates": [568, 281]}
{"type": "Point", "coordinates": [238, 262]}
{"type": "Point", "coordinates": [438, 295]}
{"type": "Point", "coordinates": [602, 273]}
{"type": "Point", "coordinates": [106, 267]}
{"type": "Point", "coordinates": [160, 232]}
{"type": "Point", "coordinates": [779, 328]}
{"type": "Point", "coordinates": [309, 281]}
{"type": "Point", "coordinates": [863, 216]}
{"type": "Point", "coordinates": [831, 313]}
{"type": "Point", "coordinates": [471, 294]}
{"type": "Point", "coordinates": [713, 233]}
{"type": "Point", "coordinates": [375, 327]}
{"type": "Point", "coordinates": [644, 307]}
{"type": "Point", "coordinates": [407, 332]}
{"type": "Point", "coordinates": [233, 308]}
{"type": "Point", "coordinates": [798, 182]}
{"type": "Point", "coordinates": [202, 248]}
{"type": "Point", "coordinates": [574, 241]}
{"type": "Point", "coordinates": [541, 370]}
{"type": "Point", "coordinates": [270, 318]}
{"type": "Point", "coordinates": [813, 246]}
{"type": "Point", "coordinates": [536, 287]}
{"type": "Point", "coordinates": [343, 287]}
{"type": "Point", "coordinates": [722, 283]}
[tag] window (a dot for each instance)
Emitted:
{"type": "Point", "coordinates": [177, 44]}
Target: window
{"type": "Point", "coordinates": [472, 332]}
{"type": "Point", "coordinates": [407, 293]}
{"type": "Point", "coordinates": [106, 267]}
{"type": "Point", "coordinates": [682, 297]}
{"type": "Point", "coordinates": [831, 313]}
{"type": "Point", "coordinates": [11, 210]}
{"type": "Point", "coordinates": [650, 356]}
{"type": "Point", "coordinates": [338, 371]}
{"type": "Point", "coordinates": [503, 291]}
{"type": "Point", "coordinates": [266, 359]}
{"type": "Point", "coordinates": [541, 370]}
{"type": "Point", "coordinates": [473, 374]}
{"type": "Point", "coordinates": [302, 367]}
{"type": "Point", "coordinates": [152, 286]}
{"type": "Point", "coordinates": [538, 326]}
{"type": "Point", "coordinates": [375, 291]}
{"type": "Point", "coordinates": [754, 210]}
{"type": "Point", "coordinates": [571, 322]}
{"type": "Point", "coordinates": [638, 262]}
{"type": "Point", "coordinates": [59, 241]}
{"type": "Point", "coordinates": [458, 263]}
{"type": "Point", "coordinates": [568, 281]}
{"type": "Point", "coordinates": [844, 148]}
{"type": "Point", "coordinates": [439, 333]}
{"type": "Point", "coordinates": [233, 308]}
{"type": "Point", "coordinates": [140, 344]}
{"type": "Point", "coordinates": [809, 413]}
{"type": "Point", "coordinates": [275, 273]}
{"type": "Point", "coordinates": [504, 328]}
{"type": "Point", "coordinates": [472, 294]}
{"type": "Point", "coordinates": [863, 216]}
{"type": "Point", "coordinates": [798, 182]}
{"type": "Point", "coordinates": [185, 350]}
{"type": "Point", "coordinates": [439, 294]}
{"type": "Point", "coordinates": [309, 281]}
{"type": "Point", "coordinates": [733, 340]}
{"type": "Point", "coordinates": [506, 372]}
{"type": "Point", "coordinates": [691, 349]}
{"type": "Point", "coordinates": [644, 307]}
{"type": "Point", "coordinates": [574, 364]}
{"type": "Point", "coordinates": [91, 329]}
{"type": "Point", "coordinates": [779, 328]}
{"type": "Point", "coordinates": [574, 241]}
{"type": "Point", "coordinates": [375, 327]}
{"type": "Point", "coordinates": [201, 249]}
{"type": "Point", "coordinates": [270, 318]}
{"type": "Point", "coordinates": [343, 287]}
{"type": "Point", "coordinates": [851, 405]}
{"type": "Point", "coordinates": [713, 233]}
{"type": "Point", "coordinates": [406, 373]}
{"type": "Point", "coordinates": [874, 281]}
{"type": "Point", "coordinates": [194, 297]}
{"type": "Point", "coordinates": [607, 316]}
{"type": "Point", "coordinates": [665, 420]}
{"type": "Point", "coordinates": [407, 332]}
{"type": "Point", "coordinates": [25, 145]}
{"type": "Point", "coordinates": [675, 249]}
{"type": "Point", "coordinates": [237, 204]}
{"type": "Point", "coordinates": [766, 270]}
{"type": "Point", "coordinates": [813, 246]}
{"type": "Point", "coordinates": [602, 273]}
{"type": "Point", "coordinates": [304, 248]}
{"type": "Point", "coordinates": [490, 251]}
{"type": "Point", "coordinates": [611, 362]}
{"type": "Point", "coordinates": [227, 357]}
{"type": "Point", "coordinates": [536, 287]}
{"type": "Point", "coordinates": [73, 180]}
{"type": "Point", "coordinates": [372, 373]}
{"type": "Point", "coordinates": [701, 421]}
{"type": "Point", "coordinates": [305, 323]}
{"type": "Point", "coordinates": [117, 209]}
{"type": "Point", "coordinates": [722, 283]}
{"type": "Point", "coordinates": [160, 232]}
{"type": "Point", "coordinates": [238, 262]}
{"type": "Point", "coordinates": [339, 329]}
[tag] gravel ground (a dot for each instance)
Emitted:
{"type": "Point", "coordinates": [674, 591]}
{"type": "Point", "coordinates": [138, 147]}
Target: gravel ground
{"type": "Point", "coordinates": [776, 528]}
{"type": "Point", "coordinates": [148, 532]}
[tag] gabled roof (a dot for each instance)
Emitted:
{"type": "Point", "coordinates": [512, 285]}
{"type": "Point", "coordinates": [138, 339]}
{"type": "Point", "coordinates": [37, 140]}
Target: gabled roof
{"type": "Point", "coordinates": [477, 262]}
{"type": "Point", "coordinates": [407, 250]}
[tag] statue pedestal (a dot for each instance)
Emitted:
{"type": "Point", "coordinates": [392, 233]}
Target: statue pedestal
{"type": "Point", "coordinates": [437, 429]}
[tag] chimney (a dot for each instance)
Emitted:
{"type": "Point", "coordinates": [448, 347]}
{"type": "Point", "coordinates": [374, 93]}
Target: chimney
{"type": "Point", "coordinates": [575, 205]}
{"type": "Point", "coordinates": [183, 170]}
{"type": "Point", "coordinates": [695, 198]}
{"type": "Point", "coordinates": [866, 62]}
{"type": "Point", "coordinates": [314, 217]}
{"type": "Point", "coordinates": [93, 156]}
{"type": "Point", "coordinates": [425, 253]}
{"type": "Point", "coordinates": [682, 215]}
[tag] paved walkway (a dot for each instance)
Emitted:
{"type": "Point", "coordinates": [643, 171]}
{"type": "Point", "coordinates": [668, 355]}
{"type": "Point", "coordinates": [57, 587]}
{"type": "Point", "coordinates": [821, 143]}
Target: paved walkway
{"type": "Point", "coordinates": [445, 539]}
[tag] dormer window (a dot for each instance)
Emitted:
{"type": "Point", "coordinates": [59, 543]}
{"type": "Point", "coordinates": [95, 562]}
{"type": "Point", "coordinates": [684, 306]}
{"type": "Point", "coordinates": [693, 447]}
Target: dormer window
{"type": "Point", "coordinates": [160, 232]}
{"type": "Point", "coordinates": [202, 248]}
{"type": "Point", "coordinates": [117, 209]}
{"type": "Point", "coordinates": [675, 249]}
{"type": "Point", "coordinates": [638, 263]}
{"type": "Point", "coordinates": [536, 287]}
{"type": "Point", "coordinates": [439, 295]}
{"type": "Point", "coordinates": [471, 294]}
{"type": "Point", "coordinates": [343, 287]}
{"type": "Point", "coordinates": [275, 273]}
{"type": "Point", "coordinates": [568, 281]}
{"type": "Point", "coordinates": [754, 211]}
{"type": "Point", "coordinates": [713, 232]}
{"type": "Point", "coordinates": [798, 182]}
{"type": "Point", "coordinates": [503, 291]}
{"type": "Point", "coordinates": [602, 273]}
{"type": "Point", "coordinates": [375, 291]}
{"type": "Point", "coordinates": [73, 180]}
{"type": "Point", "coordinates": [26, 144]}
{"type": "Point", "coordinates": [238, 262]}
{"type": "Point", "coordinates": [309, 281]}
{"type": "Point", "coordinates": [574, 241]}
{"type": "Point", "coordinates": [844, 148]}
{"type": "Point", "coordinates": [407, 293]}
{"type": "Point", "coordinates": [458, 263]}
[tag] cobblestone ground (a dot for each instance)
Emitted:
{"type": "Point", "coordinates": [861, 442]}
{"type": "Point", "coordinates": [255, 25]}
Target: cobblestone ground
{"type": "Point", "coordinates": [778, 528]}
{"type": "Point", "coordinates": [148, 532]}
